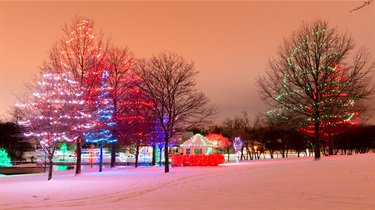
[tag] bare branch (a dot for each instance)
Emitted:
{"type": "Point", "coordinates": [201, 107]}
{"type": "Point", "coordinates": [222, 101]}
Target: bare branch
{"type": "Point", "coordinates": [365, 3]}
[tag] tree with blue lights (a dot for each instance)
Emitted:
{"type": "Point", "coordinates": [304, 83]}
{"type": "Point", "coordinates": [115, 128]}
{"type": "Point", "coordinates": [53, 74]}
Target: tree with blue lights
{"type": "Point", "coordinates": [102, 131]}
{"type": "Point", "coordinates": [158, 140]}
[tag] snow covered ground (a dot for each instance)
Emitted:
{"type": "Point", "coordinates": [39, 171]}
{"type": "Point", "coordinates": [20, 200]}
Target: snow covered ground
{"type": "Point", "coordinates": [336, 182]}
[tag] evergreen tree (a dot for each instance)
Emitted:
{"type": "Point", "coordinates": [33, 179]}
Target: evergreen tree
{"type": "Point", "coordinates": [4, 158]}
{"type": "Point", "coordinates": [102, 131]}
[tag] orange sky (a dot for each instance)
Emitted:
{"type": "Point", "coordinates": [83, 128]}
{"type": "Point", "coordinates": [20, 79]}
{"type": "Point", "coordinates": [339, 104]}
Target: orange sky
{"type": "Point", "coordinates": [230, 42]}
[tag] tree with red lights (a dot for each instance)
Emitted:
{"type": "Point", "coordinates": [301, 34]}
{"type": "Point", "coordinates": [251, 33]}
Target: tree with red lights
{"type": "Point", "coordinates": [81, 52]}
{"type": "Point", "coordinates": [339, 115]}
{"type": "Point", "coordinates": [131, 108]}
{"type": "Point", "coordinates": [119, 62]}
{"type": "Point", "coordinates": [137, 121]}
{"type": "Point", "coordinates": [92, 155]}
{"type": "Point", "coordinates": [219, 140]}
{"type": "Point", "coordinates": [299, 80]}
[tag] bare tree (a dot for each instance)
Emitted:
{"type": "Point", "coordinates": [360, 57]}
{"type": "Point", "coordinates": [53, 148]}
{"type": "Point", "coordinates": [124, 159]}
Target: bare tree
{"type": "Point", "coordinates": [120, 64]}
{"type": "Point", "coordinates": [169, 83]}
{"type": "Point", "coordinates": [301, 82]}
{"type": "Point", "coordinates": [365, 3]}
{"type": "Point", "coordinates": [240, 126]}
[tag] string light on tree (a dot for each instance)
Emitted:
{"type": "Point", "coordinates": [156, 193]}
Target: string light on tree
{"type": "Point", "coordinates": [237, 144]}
{"type": "Point", "coordinates": [102, 131]}
{"type": "Point", "coordinates": [4, 158]}
{"type": "Point", "coordinates": [49, 114]}
{"type": "Point", "coordinates": [307, 83]}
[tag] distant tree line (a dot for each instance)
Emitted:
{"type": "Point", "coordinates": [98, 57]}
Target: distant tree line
{"type": "Point", "coordinates": [263, 136]}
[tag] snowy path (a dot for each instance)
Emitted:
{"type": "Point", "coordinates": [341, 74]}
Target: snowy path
{"type": "Point", "coordinates": [341, 182]}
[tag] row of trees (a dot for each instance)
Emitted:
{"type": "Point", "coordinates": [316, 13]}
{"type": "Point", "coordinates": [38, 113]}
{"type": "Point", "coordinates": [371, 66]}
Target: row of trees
{"type": "Point", "coordinates": [256, 138]}
{"type": "Point", "coordinates": [89, 90]}
{"type": "Point", "coordinates": [261, 135]}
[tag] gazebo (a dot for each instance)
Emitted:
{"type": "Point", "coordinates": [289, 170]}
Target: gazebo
{"type": "Point", "coordinates": [197, 144]}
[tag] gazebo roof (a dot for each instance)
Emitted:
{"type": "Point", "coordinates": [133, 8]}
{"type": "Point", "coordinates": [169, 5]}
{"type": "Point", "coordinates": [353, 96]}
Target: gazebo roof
{"type": "Point", "coordinates": [198, 141]}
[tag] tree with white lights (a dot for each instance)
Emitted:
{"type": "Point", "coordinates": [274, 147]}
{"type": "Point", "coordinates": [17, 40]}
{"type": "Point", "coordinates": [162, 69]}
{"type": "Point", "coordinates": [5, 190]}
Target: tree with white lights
{"type": "Point", "coordinates": [81, 52]}
{"type": "Point", "coordinates": [47, 111]}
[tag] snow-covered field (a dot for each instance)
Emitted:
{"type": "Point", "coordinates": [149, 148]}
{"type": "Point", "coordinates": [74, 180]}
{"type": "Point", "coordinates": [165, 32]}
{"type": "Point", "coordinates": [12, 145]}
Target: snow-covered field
{"type": "Point", "coordinates": [336, 182]}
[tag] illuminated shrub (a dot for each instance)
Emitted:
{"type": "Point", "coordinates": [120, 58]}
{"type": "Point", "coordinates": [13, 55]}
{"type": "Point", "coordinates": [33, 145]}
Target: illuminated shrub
{"type": "Point", "coordinates": [197, 160]}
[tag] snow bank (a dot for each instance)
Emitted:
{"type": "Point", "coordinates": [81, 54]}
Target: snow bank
{"type": "Point", "coordinates": [336, 182]}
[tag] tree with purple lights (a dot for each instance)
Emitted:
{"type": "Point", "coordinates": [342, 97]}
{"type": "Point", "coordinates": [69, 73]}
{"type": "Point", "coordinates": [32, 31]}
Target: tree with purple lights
{"type": "Point", "coordinates": [298, 82]}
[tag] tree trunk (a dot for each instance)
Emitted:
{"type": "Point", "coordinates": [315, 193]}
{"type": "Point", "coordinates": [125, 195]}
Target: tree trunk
{"type": "Point", "coordinates": [113, 155]}
{"type": "Point", "coordinates": [79, 153]}
{"type": "Point", "coordinates": [330, 145]}
{"type": "Point", "coordinates": [160, 149]}
{"type": "Point", "coordinates": [154, 155]}
{"type": "Point", "coordinates": [242, 153]}
{"type": "Point", "coordinates": [271, 153]}
{"type": "Point", "coordinates": [248, 153]}
{"type": "Point", "coordinates": [228, 153]}
{"type": "Point", "coordinates": [101, 157]}
{"type": "Point", "coordinates": [50, 159]}
{"type": "Point", "coordinates": [166, 155]}
{"type": "Point", "coordinates": [136, 156]}
{"type": "Point", "coordinates": [317, 140]}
